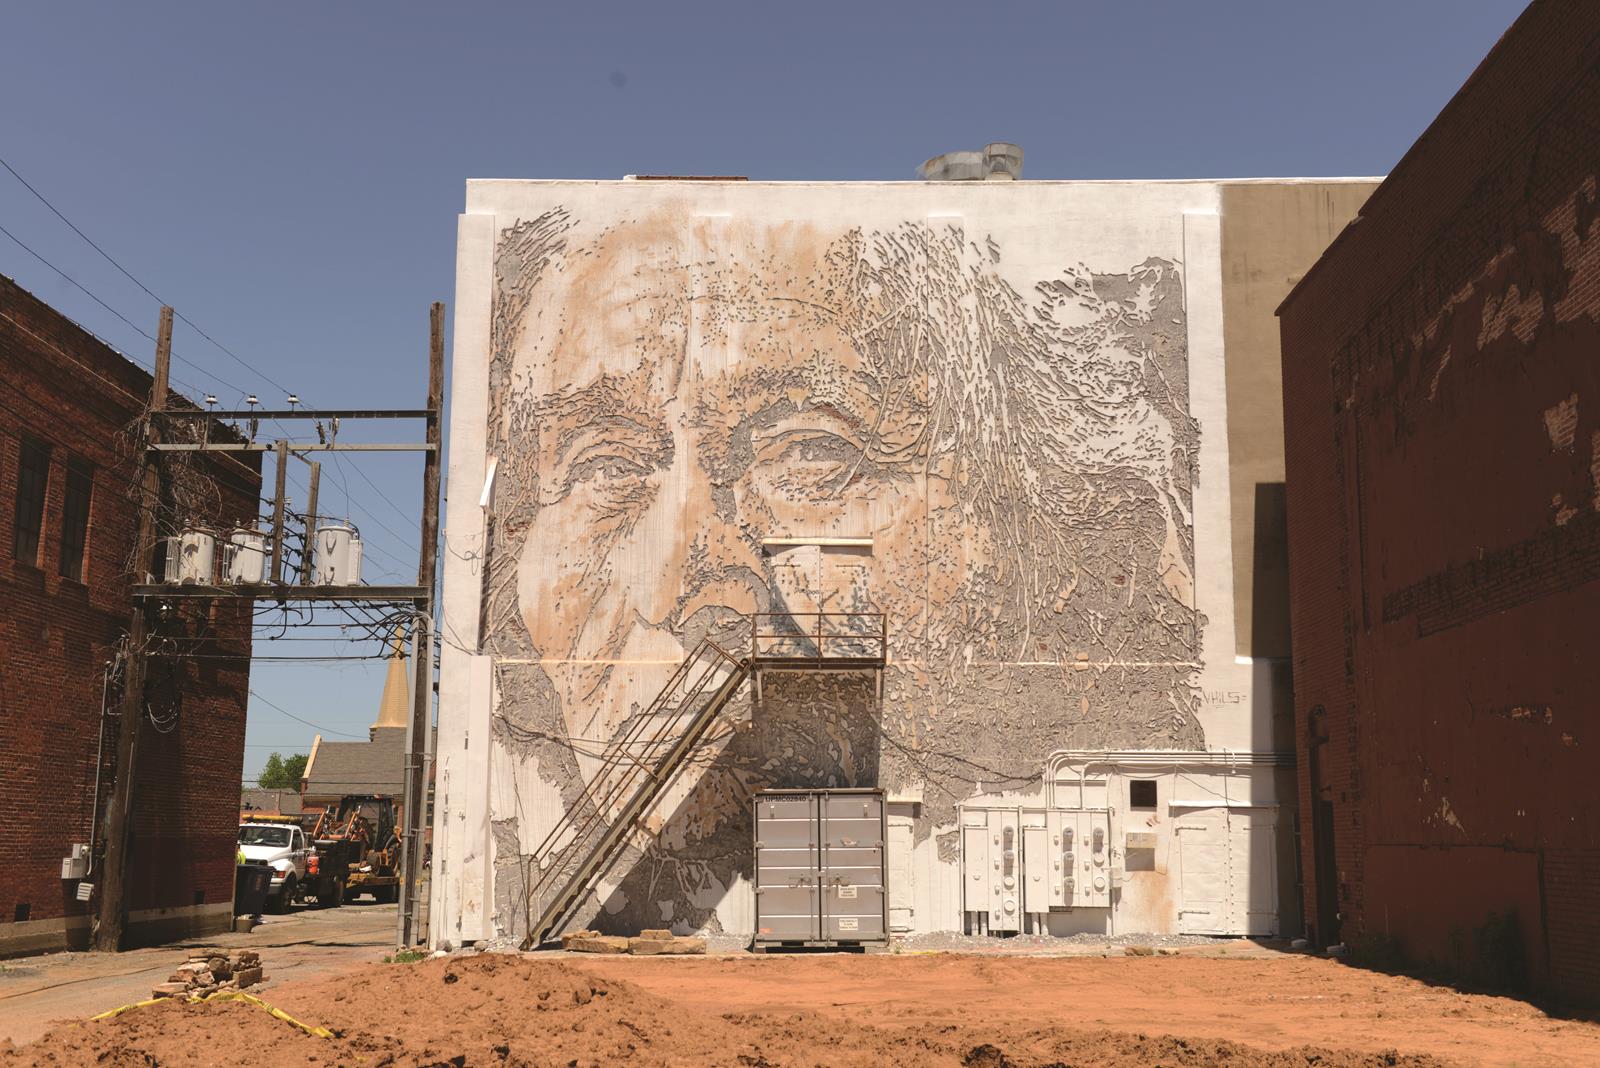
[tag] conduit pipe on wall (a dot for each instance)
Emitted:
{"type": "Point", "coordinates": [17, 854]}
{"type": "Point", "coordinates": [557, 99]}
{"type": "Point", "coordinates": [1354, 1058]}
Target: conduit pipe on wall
{"type": "Point", "coordinates": [1173, 759]}
{"type": "Point", "coordinates": [1165, 760]}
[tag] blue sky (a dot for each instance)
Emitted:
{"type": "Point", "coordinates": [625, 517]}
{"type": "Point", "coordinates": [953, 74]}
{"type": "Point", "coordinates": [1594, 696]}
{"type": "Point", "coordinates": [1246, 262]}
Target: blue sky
{"type": "Point", "coordinates": [288, 174]}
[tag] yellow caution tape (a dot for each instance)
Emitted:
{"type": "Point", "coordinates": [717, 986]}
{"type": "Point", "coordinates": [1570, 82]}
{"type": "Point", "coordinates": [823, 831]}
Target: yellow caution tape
{"type": "Point", "coordinates": [224, 995]}
{"type": "Point", "coordinates": [240, 995]}
{"type": "Point", "coordinates": [120, 1009]}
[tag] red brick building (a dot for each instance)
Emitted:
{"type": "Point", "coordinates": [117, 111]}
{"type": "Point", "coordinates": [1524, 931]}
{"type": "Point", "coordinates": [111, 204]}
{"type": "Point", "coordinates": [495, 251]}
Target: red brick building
{"type": "Point", "coordinates": [69, 408]}
{"type": "Point", "coordinates": [1442, 411]}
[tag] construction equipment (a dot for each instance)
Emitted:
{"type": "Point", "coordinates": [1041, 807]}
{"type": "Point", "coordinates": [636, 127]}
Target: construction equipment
{"type": "Point", "coordinates": [302, 868]}
{"type": "Point", "coordinates": [360, 837]}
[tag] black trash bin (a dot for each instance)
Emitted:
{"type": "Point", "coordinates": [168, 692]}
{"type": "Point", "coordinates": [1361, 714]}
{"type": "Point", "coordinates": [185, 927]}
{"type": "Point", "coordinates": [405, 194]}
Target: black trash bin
{"type": "Point", "coordinates": [250, 885]}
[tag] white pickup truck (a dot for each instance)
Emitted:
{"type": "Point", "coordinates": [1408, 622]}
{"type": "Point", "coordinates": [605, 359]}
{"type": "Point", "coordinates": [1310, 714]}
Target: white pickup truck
{"type": "Point", "coordinates": [286, 849]}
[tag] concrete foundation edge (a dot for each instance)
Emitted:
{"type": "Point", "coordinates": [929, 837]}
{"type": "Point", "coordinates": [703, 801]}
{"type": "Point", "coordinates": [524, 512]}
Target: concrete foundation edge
{"type": "Point", "coordinates": [146, 927]}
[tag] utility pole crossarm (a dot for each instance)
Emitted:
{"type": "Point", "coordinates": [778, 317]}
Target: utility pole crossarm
{"type": "Point", "coordinates": [173, 414]}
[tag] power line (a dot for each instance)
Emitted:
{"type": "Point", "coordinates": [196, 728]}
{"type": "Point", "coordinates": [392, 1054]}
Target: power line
{"type": "Point", "coordinates": [397, 509]}
{"type": "Point", "coordinates": [367, 544]}
{"type": "Point", "coordinates": [135, 326]}
{"type": "Point", "coordinates": [190, 322]}
{"type": "Point", "coordinates": [23, 245]}
{"type": "Point", "coordinates": [401, 538]}
{"type": "Point", "coordinates": [307, 722]}
{"type": "Point", "coordinates": [223, 457]}
{"type": "Point", "coordinates": [129, 275]}
{"type": "Point", "coordinates": [136, 400]}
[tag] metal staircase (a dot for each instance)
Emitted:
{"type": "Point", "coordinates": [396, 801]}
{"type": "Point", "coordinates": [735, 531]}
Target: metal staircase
{"type": "Point", "coordinates": [636, 769]}
{"type": "Point", "coordinates": [642, 761]}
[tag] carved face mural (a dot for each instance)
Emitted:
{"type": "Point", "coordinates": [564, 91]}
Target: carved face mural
{"type": "Point", "coordinates": [672, 393]}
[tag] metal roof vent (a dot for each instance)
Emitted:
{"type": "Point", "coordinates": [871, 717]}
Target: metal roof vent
{"type": "Point", "coordinates": [1000, 161]}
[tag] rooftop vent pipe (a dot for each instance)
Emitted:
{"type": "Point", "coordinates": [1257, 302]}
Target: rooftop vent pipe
{"type": "Point", "coordinates": [1000, 161]}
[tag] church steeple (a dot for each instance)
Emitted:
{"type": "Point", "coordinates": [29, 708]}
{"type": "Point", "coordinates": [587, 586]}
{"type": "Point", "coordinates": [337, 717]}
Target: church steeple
{"type": "Point", "coordinates": [394, 709]}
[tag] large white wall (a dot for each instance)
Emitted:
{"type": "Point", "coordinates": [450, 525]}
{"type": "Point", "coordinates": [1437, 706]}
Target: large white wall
{"type": "Point", "coordinates": [570, 264]}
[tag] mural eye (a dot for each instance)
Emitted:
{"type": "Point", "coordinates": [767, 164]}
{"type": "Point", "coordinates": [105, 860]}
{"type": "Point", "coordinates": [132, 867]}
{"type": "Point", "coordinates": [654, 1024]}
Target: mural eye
{"type": "Point", "coordinates": [820, 447]}
{"type": "Point", "coordinates": [606, 466]}
{"type": "Point", "coordinates": [810, 447]}
{"type": "Point", "coordinates": [811, 463]}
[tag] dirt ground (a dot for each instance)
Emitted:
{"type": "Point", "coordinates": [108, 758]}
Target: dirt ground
{"type": "Point", "coordinates": [923, 1010]}
{"type": "Point", "coordinates": [37, 991]}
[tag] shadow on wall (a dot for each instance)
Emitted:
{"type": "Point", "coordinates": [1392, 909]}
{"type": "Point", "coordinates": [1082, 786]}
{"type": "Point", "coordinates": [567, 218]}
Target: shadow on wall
{"type": "Point", "coordinates": [1269, 632]}
{"type": "Point", "coordinates": [810, 730]}
{"type": "Point", "coordinates": [1272, 683]}
{"type": "Point", "coordinates": [1490, 957]}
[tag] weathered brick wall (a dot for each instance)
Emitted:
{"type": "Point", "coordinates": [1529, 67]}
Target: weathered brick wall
{"type": "Point", "coordinates": [61, 386]}
{"type": "Point", "coordinates": [1570, 878]}
{"type": "Point", "coordinates": [1442, 411]}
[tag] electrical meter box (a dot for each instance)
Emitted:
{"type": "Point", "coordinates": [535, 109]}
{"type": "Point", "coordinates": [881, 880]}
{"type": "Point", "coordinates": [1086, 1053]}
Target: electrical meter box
{"type": "Point", "coordinates": [991, 845]}
{"type": "Point", "coordinates": [76, 864]}
{"type": "Point", "coordinates": [820, 869]}
{"type": "Point", "coordinates": [1019, 863]}
{"type": "Point", "coordinates": [1080, 858]}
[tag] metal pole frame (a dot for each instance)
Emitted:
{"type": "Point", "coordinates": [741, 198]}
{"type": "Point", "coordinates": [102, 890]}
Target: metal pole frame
{"type": "Point", "coordinates": [408, 931]}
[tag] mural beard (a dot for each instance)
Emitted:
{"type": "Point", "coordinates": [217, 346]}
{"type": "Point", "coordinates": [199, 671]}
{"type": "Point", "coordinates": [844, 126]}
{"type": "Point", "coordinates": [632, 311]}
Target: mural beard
{"type": "Point", "coordinates": [668, 392]}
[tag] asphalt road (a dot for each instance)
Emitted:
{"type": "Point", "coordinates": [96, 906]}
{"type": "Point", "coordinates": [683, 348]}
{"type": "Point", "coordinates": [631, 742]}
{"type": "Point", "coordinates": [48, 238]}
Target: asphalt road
{"type": "Point", "coordinates": [35, 992]}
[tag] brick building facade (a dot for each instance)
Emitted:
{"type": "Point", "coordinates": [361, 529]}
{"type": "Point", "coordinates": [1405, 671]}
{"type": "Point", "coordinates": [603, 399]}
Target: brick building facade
{"type": "Point", "coordinates": [69, 407]}
{"type": "Point", "coordinates": [1442, 406]}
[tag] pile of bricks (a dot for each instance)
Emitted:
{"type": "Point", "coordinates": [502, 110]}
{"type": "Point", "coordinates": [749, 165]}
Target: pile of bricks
{"type": "Point", "coordinates": [648, 944]}
{"type": "Point", "coordinates": [207, 972]}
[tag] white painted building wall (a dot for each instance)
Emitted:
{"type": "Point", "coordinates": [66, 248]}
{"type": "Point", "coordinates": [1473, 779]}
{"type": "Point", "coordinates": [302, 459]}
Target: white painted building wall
{"type": "Point", "coordinates": [496, 795]}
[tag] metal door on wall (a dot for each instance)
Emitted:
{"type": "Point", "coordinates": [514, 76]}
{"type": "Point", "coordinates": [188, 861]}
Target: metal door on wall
{"type": "Point", "coordinates": [902, 899]}
{"type": "Point", "coordinates": [821, 578]}
{"type": "Point", "coordinates": [1203, 856]}
{"type": "Point", "coordinates": [853, 905]}
{"type": "Point", "coordinates": [787, 868]}
{"type": "Point", "coordinates": [1229, 877]}
{"type": "Point", "coordinates": [1253, 865]}
{"type": "Point", "coordinates": [820, 867]}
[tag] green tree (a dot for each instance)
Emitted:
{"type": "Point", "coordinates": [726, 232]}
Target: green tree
{"type": "Point", "coordinates": [281, 774]}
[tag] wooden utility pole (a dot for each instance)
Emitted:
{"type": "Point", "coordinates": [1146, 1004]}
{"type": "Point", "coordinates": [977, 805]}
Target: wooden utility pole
{"type": "Point", "coordinates": [275, 576]}
{"type": "Point", "coordinates": [311, 524]}
{"type": "Point", "coordinates": [119, 817]}
{"type": "Point", "coordinates": [416, 785]}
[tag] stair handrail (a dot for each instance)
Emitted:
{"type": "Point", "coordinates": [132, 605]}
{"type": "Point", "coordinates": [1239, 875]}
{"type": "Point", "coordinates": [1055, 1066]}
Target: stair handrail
{"type": "Point", "coordinates": [581, 823]}
{"type": "Point", "coordinates": [821, 634]}
{"type": "Point", "coordinates": [599, 858]}
{"type": "Point", "coordinates": [629, 737]}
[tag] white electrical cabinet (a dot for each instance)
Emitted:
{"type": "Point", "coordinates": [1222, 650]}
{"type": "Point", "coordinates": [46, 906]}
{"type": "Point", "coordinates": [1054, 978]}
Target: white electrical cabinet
{"type": "Point", "coordinates": [1080, 842]}
{"type": "Point", "coordinates": [1037, 869]}
{"type": "Point", "coordinates": [1019, 863]}
{"type": "Point", "coordinates": [992, 855]}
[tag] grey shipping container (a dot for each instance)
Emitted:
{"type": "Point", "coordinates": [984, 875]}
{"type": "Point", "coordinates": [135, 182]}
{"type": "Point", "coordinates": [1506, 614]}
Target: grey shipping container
{"type": "Point", "coordinates": [820, 869]}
